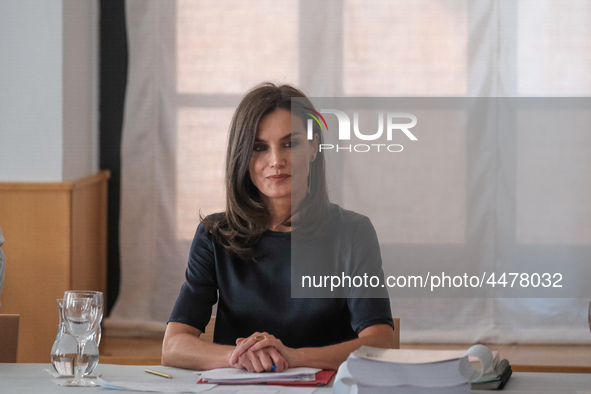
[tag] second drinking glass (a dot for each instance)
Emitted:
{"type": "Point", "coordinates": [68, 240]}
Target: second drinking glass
{"type": "Point", "coordinates": [83, 312]}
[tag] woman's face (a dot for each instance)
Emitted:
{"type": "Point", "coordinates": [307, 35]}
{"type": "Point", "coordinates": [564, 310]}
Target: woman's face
{"type": "Point", "coordinates": [281, 157]}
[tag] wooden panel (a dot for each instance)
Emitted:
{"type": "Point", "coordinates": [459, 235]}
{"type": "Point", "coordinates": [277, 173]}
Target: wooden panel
{"type": "Point", "coordinates": [8, 338]}
{"type": "Point", "coordinates": [36, 225]}
{"type": "Point", "coordinates": [37, 221]}
{"type": "Point", "coordinates": [529, 357]}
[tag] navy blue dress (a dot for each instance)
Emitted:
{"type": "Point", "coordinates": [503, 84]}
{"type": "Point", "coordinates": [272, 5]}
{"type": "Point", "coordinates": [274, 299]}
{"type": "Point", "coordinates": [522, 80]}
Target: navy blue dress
{"type": "Point", "coordinates": [256, 295]}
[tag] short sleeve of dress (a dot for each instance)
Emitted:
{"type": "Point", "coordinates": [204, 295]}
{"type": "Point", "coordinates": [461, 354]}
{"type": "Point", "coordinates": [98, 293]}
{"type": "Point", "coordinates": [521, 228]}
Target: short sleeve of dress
{"type": "Point", "coordinates": [199, 292]}
{"type": "Point", "coordinates": [371, 306]}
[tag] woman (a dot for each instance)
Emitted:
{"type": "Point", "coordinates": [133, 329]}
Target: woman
{"type": "Point", "coordinates": [244, 255]}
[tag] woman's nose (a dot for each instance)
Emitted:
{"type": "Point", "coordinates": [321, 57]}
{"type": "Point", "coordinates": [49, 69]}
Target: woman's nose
{"type": "Point", "coordinates": [277, 159]}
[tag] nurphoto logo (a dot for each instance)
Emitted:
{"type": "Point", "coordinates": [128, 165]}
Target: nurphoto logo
{"type": "Point", "coordinates": [395, 122]}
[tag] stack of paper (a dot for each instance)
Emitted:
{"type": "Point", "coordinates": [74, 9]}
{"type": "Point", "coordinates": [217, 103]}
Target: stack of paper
{"type": "Point", "coordinates": [240, 376]}
{"type": "Point", "coordinates": [416, 371]}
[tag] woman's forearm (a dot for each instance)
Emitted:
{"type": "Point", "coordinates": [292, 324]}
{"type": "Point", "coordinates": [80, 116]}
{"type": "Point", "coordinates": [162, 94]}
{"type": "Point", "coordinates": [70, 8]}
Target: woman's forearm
{"type": "Point", "coordinates": [330, 357]}
{"type": "Point", "coordinates": [184, 350]}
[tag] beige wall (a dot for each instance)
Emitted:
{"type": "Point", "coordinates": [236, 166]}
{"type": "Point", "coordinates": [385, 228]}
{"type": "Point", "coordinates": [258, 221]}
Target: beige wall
{"type": "Point", "coordinates": [48, 100]}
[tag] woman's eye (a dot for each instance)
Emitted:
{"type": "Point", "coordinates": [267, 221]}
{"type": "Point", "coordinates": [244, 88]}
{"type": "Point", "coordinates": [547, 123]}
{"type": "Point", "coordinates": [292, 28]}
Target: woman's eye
{"type": "Point", "coordinates": [291, 143]}
{"type": "Point", "coordinates": [259, 147]}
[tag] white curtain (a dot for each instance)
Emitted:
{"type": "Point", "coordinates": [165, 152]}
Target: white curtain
{"type": "Point", "coordinates": [192, 60]}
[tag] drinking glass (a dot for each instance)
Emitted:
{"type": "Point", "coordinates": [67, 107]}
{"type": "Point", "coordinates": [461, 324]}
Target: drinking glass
{"type": "Point", "coordinates": [63, 351]}
{"type": "Point", "coordinates": [83, 312]}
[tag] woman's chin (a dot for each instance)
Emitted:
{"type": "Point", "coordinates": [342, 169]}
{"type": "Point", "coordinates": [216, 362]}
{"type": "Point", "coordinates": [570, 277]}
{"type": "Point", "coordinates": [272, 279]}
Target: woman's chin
{"type": "Point", "coordinates": [284, 193]}
{"type": "Point", "coordinates": [276, 195]}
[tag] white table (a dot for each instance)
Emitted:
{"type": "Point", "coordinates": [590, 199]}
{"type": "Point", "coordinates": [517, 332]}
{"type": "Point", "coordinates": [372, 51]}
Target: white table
{"type": "Point", "coordinates": [30, 378]}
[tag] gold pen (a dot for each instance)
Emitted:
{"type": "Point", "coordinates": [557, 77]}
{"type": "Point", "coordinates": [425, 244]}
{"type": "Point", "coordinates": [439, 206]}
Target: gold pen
{"type": "Point", "coordinates": [164, 375]}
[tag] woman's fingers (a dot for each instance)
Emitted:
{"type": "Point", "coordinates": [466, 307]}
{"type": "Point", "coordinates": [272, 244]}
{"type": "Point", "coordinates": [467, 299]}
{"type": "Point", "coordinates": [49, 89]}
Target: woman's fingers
{"type": "Point", "coordinates": [259, 361]}
{"type": "Point", "coordinates": [265, 360]}
{"type": "Point", "coordinates": [278, 360]}
{"type": "Point", "coordinates": [259, 352]}
{"type": "Point", "coordinates": [246, 344]}
{"type": "Point", "coordinates": [245, 363]}
{"type": "Point", "coordinates": [268, 340]}
{"type": "Point", "coordinates": [256, 362]}
{"type": "Point", "coordinates": [242, 347]}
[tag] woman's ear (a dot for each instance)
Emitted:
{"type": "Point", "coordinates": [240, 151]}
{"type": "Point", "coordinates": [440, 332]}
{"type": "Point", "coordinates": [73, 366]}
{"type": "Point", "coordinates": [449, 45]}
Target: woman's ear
{"type": "Point", "coordinates": [314, 143]}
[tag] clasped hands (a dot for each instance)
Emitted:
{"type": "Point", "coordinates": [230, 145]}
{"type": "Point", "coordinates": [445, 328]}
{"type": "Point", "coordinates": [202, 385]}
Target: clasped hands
{"type": "Point", "coordinates": [259, 352]}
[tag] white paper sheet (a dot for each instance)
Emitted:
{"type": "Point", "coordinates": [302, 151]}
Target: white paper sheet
{"type": "Point", "coordinates": [182, 385]}
{"type": "Point", "coordinates": [239, 375]}
{"type": "Point", "coordinates": [408, 356]}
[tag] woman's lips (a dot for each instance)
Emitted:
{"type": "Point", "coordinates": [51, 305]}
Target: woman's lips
{"type": "Point", "coordinates": [278, 177]}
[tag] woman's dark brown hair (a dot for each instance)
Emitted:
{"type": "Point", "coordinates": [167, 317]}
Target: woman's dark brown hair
{"type": "Point", "coordinates": [246, 217]}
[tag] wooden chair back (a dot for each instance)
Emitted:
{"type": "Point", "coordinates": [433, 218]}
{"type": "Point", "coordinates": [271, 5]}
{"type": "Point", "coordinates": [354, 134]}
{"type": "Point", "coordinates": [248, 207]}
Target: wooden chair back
{"type": "Point", "coordinates": [8, 338]}
{"type": "Point", "coordinates": [208, 334]}
{"type": "Point", "coordinates": [396, 333]}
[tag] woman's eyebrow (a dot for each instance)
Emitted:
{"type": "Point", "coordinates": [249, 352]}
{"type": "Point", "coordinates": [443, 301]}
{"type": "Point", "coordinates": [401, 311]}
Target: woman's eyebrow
{"type": "Point", "coordinates": [285, 137]}
{"type": "Point", "coordinates": [289, 136]}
